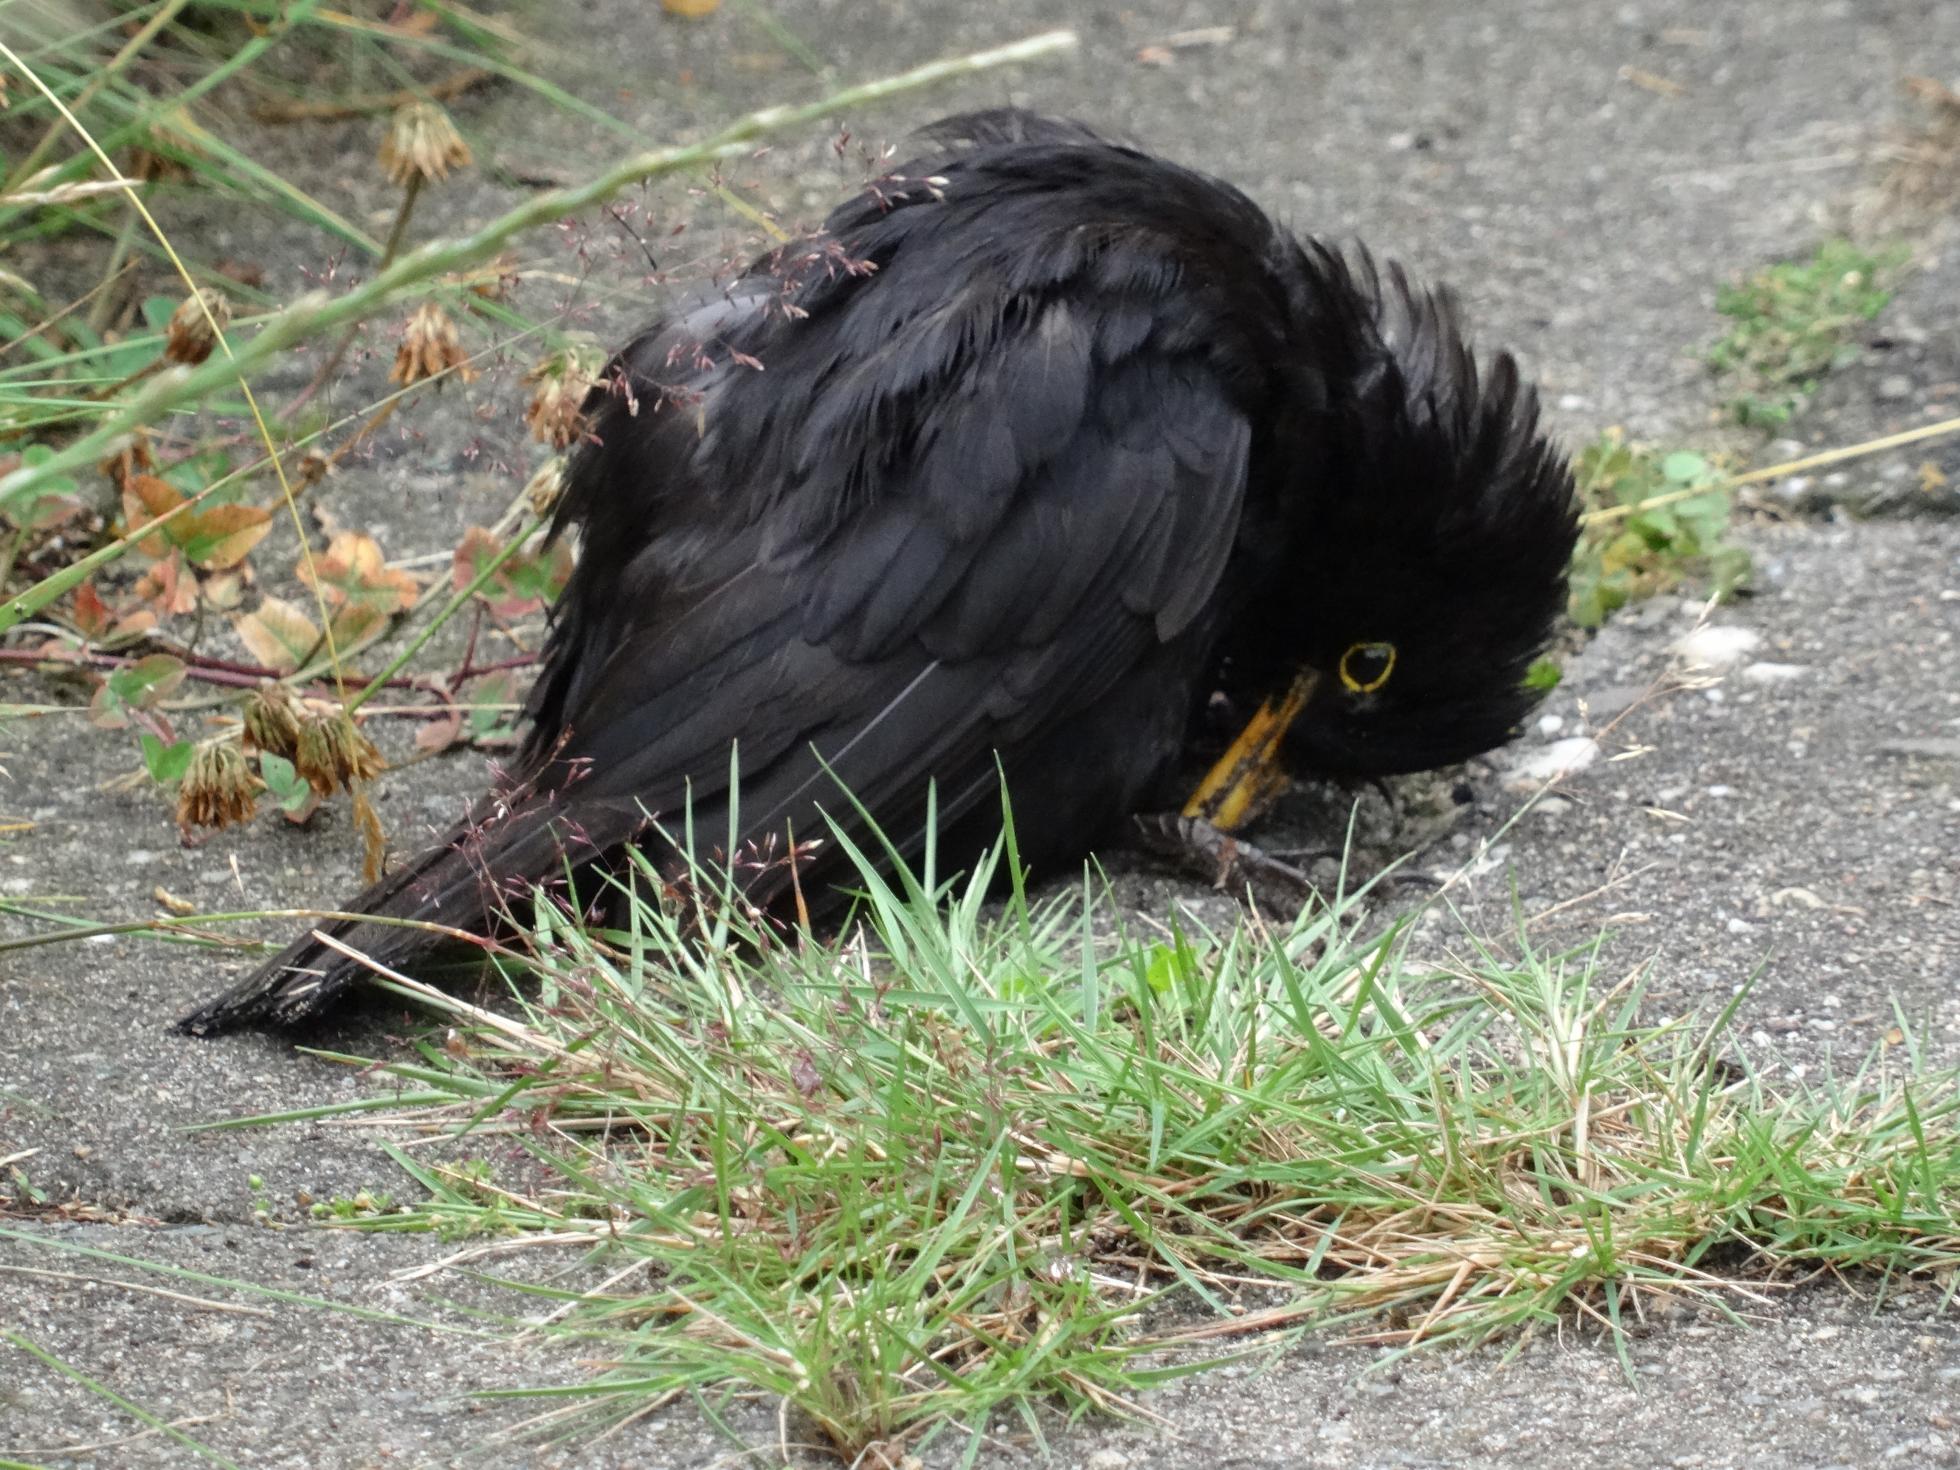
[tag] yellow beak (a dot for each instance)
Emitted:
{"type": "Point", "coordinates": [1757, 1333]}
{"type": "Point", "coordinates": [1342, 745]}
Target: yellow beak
{"type": "Point", "coordinates": [1249, 777]}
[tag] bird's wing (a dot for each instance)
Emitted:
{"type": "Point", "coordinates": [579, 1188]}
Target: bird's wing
{"type": "Point", "coordinates": [1068, 504]}
{"type": "Point", "coordinates": [939, 484]}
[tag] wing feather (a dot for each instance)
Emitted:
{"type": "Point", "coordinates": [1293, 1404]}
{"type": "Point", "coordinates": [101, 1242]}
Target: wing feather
{"type": "Point", "coordinates": [908, 646]}
{"type": "Point", "coordinates": [975, 510]}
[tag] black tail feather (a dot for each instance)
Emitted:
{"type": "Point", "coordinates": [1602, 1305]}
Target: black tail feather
{"type": "Point", "coordinates": [307, 977]}
{"type": "Point", "coordinates": [444, 885]}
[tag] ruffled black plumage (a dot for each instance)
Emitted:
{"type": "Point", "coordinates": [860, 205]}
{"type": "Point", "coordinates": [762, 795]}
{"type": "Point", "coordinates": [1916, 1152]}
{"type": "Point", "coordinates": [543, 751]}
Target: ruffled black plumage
{"type": "Point", "coordinates": [996, 469]}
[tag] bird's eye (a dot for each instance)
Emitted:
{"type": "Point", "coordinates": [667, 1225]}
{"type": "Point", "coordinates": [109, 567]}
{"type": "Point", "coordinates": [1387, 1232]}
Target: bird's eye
{"type": "Point", "coordinates": [1365, 667]}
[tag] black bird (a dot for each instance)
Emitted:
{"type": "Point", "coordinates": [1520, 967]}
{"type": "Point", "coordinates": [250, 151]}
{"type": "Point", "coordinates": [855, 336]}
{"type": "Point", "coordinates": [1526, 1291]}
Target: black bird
{"type": "Point", "coordinates": [1035, 438]}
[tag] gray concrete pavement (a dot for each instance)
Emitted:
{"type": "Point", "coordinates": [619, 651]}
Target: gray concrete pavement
{"type": "Point", "coordinates": [1585, 174]}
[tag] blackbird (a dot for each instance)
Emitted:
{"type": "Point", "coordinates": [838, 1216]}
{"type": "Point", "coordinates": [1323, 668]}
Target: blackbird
{"type": "Point", "coordinates": [1038, 443]}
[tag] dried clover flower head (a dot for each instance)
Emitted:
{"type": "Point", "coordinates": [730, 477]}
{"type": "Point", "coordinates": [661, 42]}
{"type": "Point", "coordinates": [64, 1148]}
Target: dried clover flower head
{"type": "Point", "coordinates": [314, 466]}
{"type": "Point", "coordinates": [559, 385]}
{"type": "Point", "coordinates": [194, 327]}
{"type": "Point", "coordinates": [490, 281]}
{"type": "Point", "coordinates": [272, 719]}
{"type": "Point", "coordinates": [147, 166]}
{"type": "Point", "coordinates": [430, 346]}
{"type": "Point", "coordinates": [330, 752]}
{"type": "Point", "coordinates": [218, 790]}
{"type": "Point", "coordinates": [422, 144]}
{"type": "Point", "coordinates": [542, 490]}
{"type": "Point", "coordinates": [162, 155]}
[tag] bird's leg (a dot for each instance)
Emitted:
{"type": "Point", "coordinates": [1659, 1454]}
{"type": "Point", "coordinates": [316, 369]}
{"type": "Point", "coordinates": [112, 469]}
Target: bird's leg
{"type": "Point", "coordinates": [1229, 862]}
{"type": "Point", "coordinates": [1244, 782]}
{"type": "Point", "coordinates": [1249, 777]}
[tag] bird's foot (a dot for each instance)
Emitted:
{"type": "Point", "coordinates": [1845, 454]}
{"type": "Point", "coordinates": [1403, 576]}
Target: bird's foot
{"type": "Point", "coordinates": [1228, 862]}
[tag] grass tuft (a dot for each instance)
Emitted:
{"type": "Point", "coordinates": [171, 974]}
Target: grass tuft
{"type": "Point", "coordinates": [1794, 322]}
{"type": "Point", "coordinates": [963, 1163]}
{"type": "Point", "coordinates": [1653, 519]}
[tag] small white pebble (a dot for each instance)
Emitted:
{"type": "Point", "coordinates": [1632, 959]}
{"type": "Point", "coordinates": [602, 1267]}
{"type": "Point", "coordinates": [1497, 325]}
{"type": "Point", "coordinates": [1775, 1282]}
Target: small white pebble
{"type": "Point", "coordinates": [1550, 725]}
{"type": "Point", "coordinates": [1720, 791]}
{"type": "Point", "coordinates": [1741, 926]}
{"type": "Point", "coordinates": [1768, 673]}
{"type": "Point", "coordinates": [1560, 758]}
{"type": "Point", "coordinates": [1715, 646]}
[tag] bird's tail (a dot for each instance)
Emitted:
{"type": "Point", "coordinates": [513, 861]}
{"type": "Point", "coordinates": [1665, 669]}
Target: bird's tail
{"type": "Point", "coordinates": [444, 885]}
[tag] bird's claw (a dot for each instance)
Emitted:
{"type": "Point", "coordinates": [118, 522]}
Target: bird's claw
{"type": "Point", "coordinates": [1228, 862]}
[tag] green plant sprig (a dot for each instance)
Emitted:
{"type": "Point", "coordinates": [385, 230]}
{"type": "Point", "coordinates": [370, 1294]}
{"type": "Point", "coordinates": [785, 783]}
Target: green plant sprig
{"type": "Point", "coordinates": [316, 312]}
{"type": "Point", "coordinates": [956, 1164]}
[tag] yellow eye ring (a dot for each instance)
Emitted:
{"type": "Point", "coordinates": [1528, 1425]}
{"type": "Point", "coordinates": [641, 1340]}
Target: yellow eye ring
{"type": "Point", "coordinates": [1365, 667]}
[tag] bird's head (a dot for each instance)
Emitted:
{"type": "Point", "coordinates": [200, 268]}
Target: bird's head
{"type": "Point", "coordinates": [1439, 527]}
